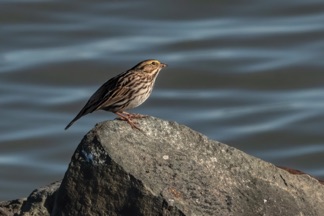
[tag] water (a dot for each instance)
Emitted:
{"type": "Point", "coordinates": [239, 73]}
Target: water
{"type": "Point", "coordinates": [249, 74]}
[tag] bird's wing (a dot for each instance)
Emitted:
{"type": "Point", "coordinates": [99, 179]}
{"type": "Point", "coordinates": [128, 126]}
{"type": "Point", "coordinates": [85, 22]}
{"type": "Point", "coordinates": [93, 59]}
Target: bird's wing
{"type": "Point", "coordinates": [113, 97]}
{"type": "Point", "coordinates": [115, 91]}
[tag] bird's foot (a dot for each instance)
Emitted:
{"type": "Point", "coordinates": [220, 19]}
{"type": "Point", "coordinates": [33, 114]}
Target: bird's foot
{"type": "Point", "coordinates": [124, 116]}
{"type": "Point", "coordinates": [135, 115]}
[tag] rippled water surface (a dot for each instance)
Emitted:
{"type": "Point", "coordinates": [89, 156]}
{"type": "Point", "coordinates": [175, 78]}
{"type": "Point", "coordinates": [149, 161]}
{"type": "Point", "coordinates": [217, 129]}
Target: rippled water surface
{"type": "Point", "coordinates": [246, 73]}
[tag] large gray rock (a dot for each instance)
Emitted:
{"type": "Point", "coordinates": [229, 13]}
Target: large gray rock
{"type": "Point", "coordinates": [169, 169]}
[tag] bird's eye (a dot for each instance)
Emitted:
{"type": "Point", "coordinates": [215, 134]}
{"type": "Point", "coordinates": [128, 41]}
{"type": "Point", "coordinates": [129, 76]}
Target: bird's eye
{"type": "Point", "coordinates": [153, 63]}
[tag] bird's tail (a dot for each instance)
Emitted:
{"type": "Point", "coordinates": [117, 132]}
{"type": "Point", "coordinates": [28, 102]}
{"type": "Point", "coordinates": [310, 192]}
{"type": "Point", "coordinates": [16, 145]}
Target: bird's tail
{"type": "Point", "coordinates": [85, 110]}
{"type": "Point", "coordinates": [71, 123]}
{"type": "Point", "coordinates": [88, 108]}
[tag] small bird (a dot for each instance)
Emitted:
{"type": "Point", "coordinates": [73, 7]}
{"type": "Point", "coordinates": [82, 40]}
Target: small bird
{"type": "Point", "coordinates": [124, 91]}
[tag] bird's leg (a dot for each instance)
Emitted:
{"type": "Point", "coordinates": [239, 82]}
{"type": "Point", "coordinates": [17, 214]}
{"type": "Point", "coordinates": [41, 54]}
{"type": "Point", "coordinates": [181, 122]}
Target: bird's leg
{"type": "Point", "coordinates": [135, 115]}
{"type": "Point", "coordinates": [124, 116]}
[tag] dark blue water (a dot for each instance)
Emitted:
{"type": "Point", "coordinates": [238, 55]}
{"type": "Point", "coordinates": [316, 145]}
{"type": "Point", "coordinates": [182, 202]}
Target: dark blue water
{"type": "Point", "coordinates": [249, 74]}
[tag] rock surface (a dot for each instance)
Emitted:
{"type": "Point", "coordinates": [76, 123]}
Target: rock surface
{"type": "Point", "coordinates": [169, 169]}
{"type": "Point", "coordinates": [39, 202]}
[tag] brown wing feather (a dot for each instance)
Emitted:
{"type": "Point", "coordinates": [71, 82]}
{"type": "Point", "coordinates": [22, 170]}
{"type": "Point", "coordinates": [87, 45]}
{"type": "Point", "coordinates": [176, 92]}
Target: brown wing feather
{"type": "Point", "coordinates": [110, 100]}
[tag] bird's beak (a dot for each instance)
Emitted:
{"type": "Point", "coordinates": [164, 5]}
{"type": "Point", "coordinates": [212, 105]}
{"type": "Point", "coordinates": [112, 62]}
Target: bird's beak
{"type": "Point", "coordinates": [163, 65]}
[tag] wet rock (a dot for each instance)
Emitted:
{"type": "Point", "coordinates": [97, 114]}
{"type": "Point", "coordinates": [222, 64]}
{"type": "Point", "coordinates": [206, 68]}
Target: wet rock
{"type": "Point", "coordinates": [9, 208]}
{"type": "Point", "coordinates": [39, 202]}
{"type": "Point", "coordinates": [169, 169]}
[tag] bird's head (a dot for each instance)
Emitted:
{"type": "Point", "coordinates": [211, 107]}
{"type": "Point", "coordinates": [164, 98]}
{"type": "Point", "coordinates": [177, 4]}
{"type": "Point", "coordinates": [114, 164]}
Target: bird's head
{"type": "Point", "coordinates": [150, 66]}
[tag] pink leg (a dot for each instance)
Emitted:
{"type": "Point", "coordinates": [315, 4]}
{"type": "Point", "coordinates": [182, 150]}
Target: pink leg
{"type": "Point", "coordinates": [127, 117]}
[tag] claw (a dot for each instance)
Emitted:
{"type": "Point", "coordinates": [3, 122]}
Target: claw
{"type": "Point", "coordinates": [135, 115]}
{"type": "Point", "coordinates": [124, 116]}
